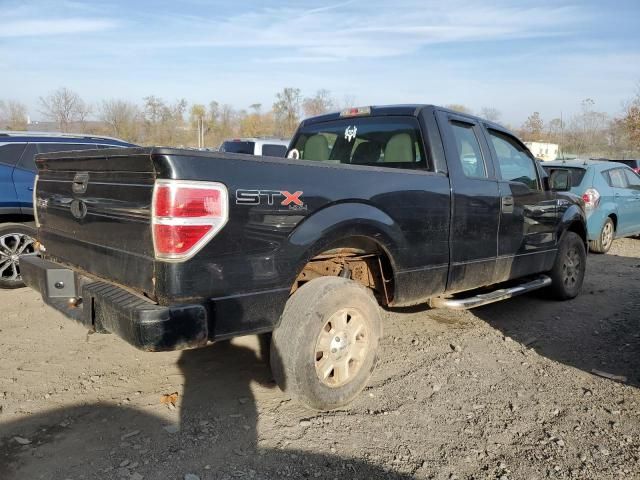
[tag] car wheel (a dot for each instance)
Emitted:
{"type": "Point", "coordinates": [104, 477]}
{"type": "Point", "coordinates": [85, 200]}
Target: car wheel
{"type": "Point", "coordinates": [605, 239]}
{"type": "Point", "coordinates": [568, 270]}
{"type": "Point", "coordinates": [16, 240]}
{"type": "Point", "coordinates": [326, 346]}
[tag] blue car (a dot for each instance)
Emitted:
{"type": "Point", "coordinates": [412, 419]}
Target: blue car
{"type": "Point", "coordinates": [611, 193]}
{"type": "Point", "coordinates": [17, 172]}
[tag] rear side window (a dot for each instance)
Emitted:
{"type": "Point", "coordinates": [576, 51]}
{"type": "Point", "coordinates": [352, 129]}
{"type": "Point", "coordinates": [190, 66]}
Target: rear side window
{"type": "Point", "coordinates": [516, 164]}
{"type": "Point", "coordinates": [238, 147]}
{"type": "Point", "coordinates": [10, 153]}
{"type": "Point", "coordinates": [375, 141]}
{"type": "Point", "coordinates": [272, 150]}
{"type": "Point", "coordinates": [616, 178]}
{"type": "Point", "coordinates": [469, 152]}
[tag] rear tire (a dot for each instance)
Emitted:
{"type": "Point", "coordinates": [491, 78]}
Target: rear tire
{"type": "Point", "coordinates": [326, 346]}
{"type": "Point", "coordinates": [16, 239]}
{"type": "Point", "coordinates": [605, 238]}
{"type": "Point", "coordinates": [568, 270]}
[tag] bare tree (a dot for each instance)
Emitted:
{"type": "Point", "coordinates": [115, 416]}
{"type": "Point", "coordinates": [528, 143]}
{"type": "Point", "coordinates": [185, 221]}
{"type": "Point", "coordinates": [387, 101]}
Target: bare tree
{"type": "Point", "coordinates": [533, 127]}
{"type": "Point", "coordinates": [491, 114]}
{"type": "Point", "coordinates": [320, 103]}
{"type": "Point", "coordinates": [13, 115]}
{"type": "Point", "coordinates": [287, 110]}
{"type": "Point", "coordinates": [122, 118]}
{"type": "Point", "coordinates": [64, 107]}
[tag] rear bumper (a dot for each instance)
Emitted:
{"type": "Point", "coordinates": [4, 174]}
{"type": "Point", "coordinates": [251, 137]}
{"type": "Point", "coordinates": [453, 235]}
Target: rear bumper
{"type": "Point", "coordinates": [107, 308]}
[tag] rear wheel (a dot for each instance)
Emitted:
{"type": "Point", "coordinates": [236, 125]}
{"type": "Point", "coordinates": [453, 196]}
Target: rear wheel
{"type": "Point", "coordinates": [16, 240]}
{"type": "Point", "coordinates": [605, 239]}
{"type": "Point", "coordinates": [568, 270]}
{"type": "Point", "coordinates": [326, 346]}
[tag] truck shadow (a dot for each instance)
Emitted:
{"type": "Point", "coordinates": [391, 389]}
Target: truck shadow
{"type": "Point", "coordinates": [215, 436]}
{"type": "Point", "coordinates": [597, 331]}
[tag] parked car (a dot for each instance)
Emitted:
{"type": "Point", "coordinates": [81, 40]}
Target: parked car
{"type": "Point", "coordinates": [611, 193]}
{"type": "Point", "coordinates": [17, 172]}
{"type": "Point", "coordinates": [631, 163]}
{"type": "Point", "coordinates": [395, 205]}
{"type": "Point", "coordinates": [268, 147]}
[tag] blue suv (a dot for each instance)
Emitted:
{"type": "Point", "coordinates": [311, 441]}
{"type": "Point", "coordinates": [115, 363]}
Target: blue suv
{"type": "Point", "coordinates": [17, 172]}
{"type": "Point", "coordinates": [611, 194]}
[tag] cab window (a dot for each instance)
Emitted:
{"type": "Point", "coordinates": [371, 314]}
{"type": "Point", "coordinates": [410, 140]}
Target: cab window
{"type": "Point", "coordinates": [514, 160]}
{"type": "Point", "coordinates": [469, 152]}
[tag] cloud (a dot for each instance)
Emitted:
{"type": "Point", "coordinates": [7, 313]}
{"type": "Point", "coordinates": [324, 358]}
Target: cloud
{"type": "Point", "coordinates": [371, 29]}
{"type": "Point", "coordinates": [40, 28]}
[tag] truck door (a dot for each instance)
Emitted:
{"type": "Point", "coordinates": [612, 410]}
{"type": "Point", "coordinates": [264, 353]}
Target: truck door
{"type": "Point", "coordinates": [527, 235]}
{"type": "Point", "coordinates": [475, 203]}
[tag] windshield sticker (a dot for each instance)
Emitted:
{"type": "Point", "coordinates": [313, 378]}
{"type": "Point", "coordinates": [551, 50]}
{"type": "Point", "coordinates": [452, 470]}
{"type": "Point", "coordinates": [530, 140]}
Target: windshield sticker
{"type": "Point", "coordinates": [350, 133]}
{"type": "Point", "coordinates": [294, 154]}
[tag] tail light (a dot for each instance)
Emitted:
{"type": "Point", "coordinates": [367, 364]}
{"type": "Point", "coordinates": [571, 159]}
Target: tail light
{"type": "Point", "coordinates": [637, 170]}
{"type": "Point", "coordinates": [591, 198]}
{"type": "Point", "coordinates": [185, 216]}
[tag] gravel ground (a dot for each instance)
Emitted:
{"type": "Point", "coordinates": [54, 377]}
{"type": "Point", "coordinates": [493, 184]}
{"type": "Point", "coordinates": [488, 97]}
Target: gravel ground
{"type": "Point", "coordinates": [524, 389]}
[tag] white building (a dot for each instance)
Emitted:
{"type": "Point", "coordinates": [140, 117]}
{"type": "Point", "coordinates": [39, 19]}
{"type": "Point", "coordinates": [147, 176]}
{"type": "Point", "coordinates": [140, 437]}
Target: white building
{"type": "Point", "coordinates": [543, 151]}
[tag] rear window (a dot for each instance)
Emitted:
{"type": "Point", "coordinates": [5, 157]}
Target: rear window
{"type": "Point", "coordinates": [273, 150]}
{"type": "Point", "coordinates": [577, 174]}
{"type": "Point", "coordinates": [10, 153]}
{"type": "Point", "coordinates": [376, 141]}
{"type": "Point", "coordinates": [238, 147]}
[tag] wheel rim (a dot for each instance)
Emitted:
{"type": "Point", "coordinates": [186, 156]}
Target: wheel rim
{"type": "Point", "coordinates": [571, 268]}
{"type": "Point", "coordinates": [12, 247]}
{"type": "Point", "coordinates": [607, 235]}
{"type": "Point", "coordinates": [342, 346]}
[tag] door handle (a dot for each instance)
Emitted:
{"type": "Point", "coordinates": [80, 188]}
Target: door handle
{"type": "Point", "coordinates": [507, 204]}
{"type": "Point", "coordinates": [30, 189]}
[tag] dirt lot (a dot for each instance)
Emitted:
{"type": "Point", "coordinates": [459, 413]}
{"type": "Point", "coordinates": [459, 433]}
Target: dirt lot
{"type": "Point", "coordinates": [502, 392]}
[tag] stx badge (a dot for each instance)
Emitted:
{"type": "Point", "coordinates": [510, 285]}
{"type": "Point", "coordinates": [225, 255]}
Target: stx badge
{"type": "Point", "coordinates": [270, 197]}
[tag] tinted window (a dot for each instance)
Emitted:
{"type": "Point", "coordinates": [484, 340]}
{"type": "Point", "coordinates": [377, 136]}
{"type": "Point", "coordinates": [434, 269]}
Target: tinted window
{"type": "Point", "coordinates": [10, 153]}
{"type": "Point", "coordinates": [469, 151]}
{"type": "Point", "coordinates": [577, 174]}
{"type": "Point", "coordinates": [238, 147]}
{"type": "Point", "coordinates": [630, 163]}
{"type": "Point", "coordinates": [26, 161]}
{"type": "Point", "coordinates": [380, 141]}
{"type": "Point", "coordinates": [513, 158]}
{"type": "Point", "coordinates": [271, 150]}
{"type": "Point", "coordinates": [633, 180]}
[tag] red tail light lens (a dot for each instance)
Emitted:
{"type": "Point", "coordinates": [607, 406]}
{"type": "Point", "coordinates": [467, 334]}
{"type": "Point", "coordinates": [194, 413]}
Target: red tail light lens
{"type": "Point", "coordinates": [186, 215]}
{"type": "Point", "coordinates": [591, 198]}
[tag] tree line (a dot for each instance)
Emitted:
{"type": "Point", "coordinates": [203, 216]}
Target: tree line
{"type": "Point", "coordinates": [157, 122]}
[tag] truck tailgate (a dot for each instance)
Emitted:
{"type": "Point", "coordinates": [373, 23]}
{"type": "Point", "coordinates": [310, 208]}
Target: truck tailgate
{"type": "Point", "coordinates": [94, 213]}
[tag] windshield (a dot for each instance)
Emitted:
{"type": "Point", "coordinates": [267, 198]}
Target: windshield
{"type": "Point", "coordinates": [237, 147]}
{"type": "Point", "coordinates": [379, 141]}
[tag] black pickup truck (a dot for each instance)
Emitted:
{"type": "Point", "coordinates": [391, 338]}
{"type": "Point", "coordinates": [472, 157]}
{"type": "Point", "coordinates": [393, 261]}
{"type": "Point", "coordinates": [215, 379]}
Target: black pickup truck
{"type": "Point", "coordinates": [391, 206]}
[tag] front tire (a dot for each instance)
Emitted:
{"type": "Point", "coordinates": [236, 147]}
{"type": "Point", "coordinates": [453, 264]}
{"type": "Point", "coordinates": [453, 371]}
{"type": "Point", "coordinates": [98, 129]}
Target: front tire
{"type": "Point", "coordinates": [16, 239]}
{"type": "Point", "coordinates": [569, 268]}
{"type": "Point", "coordinates": [326, 346]}
{"type": "Point", "coordinates": [604, 241]}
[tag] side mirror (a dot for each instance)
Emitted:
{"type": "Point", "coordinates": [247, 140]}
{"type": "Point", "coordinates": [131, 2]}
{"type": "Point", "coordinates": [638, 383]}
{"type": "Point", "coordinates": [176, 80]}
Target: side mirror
{"type": "Point", "coordinates": [560, 180]}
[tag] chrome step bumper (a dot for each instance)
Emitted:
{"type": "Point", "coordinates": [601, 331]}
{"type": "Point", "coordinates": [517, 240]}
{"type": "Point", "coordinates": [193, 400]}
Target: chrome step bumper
{"type": "Point", "coordinates": [495, 296]}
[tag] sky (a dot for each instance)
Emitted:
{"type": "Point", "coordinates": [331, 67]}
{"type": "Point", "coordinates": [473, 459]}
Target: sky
{"type": "Point", "coordinates": [515, 56]}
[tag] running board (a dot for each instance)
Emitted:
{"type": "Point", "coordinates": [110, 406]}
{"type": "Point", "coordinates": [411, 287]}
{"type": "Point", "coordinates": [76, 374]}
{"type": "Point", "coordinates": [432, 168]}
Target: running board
{"type": "Point", "coordinates": [495, 296]}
